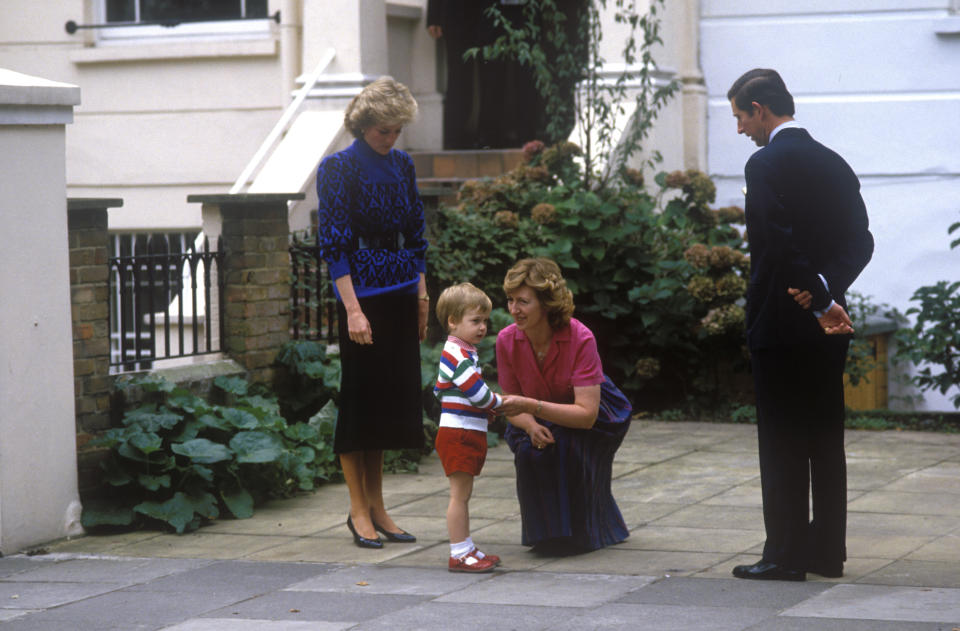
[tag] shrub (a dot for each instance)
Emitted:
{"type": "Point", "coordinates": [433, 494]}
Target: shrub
{"type": "Point", "coordinates": [179, 460]}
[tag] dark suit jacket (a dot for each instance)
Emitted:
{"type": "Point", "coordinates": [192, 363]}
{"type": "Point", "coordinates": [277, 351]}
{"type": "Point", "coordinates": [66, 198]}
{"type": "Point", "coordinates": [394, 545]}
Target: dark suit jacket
{"type": "Point", "coordinates": [805, 217]}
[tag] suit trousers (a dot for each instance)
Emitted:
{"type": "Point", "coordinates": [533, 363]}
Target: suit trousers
{"type": "Point", "coordinates": [800, 417]}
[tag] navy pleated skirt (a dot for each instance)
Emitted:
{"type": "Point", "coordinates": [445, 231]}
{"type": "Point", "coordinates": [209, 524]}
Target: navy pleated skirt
{"type": "Point", "coordinates": [380, 404]}
{"type": "Point", "coordinates": [564, 490]}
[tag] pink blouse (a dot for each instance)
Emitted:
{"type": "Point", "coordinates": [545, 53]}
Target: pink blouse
{"type": "Point", "coordinates": [572, 361]}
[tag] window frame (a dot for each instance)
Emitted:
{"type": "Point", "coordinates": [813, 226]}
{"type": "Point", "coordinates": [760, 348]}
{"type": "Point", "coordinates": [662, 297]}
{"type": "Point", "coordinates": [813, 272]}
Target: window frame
{"type": "Point", "coordinates": [243, 28]}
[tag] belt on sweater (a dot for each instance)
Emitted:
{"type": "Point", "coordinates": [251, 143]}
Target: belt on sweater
{"type": "Point", "coordinates": [384, 241]}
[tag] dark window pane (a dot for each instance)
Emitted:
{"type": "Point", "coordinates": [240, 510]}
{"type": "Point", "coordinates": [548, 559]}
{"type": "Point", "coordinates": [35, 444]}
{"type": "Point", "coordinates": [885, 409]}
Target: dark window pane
{"type": "Point", "coordinates": [120, 11]}
{"type": "Point", "coordinates": [256, 8]}
{"type": "Point", "coordinates": [189, 9]}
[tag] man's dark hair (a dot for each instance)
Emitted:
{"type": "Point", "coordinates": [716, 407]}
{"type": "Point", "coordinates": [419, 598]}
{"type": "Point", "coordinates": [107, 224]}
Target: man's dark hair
{"type": "Point", "coordinates": [766, 88]}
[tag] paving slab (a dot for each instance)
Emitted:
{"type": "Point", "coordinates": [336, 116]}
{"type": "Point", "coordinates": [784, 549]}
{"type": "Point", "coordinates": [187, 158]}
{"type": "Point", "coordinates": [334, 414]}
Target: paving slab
{"type": "Point", "coordinates": [547, 589]}
{"type": "Point", "coordinates": [319, 606]}
{"type": "Point", "coordinates": [372, 579]}
{"type": "Point", "coordinates": [878, 602]}
{"type": "Point", "coordinates": [232, 624]}
{"type": "Point", "coordinates": [623, 617]}
{"type": "Point", "coordinates": [731, 592]}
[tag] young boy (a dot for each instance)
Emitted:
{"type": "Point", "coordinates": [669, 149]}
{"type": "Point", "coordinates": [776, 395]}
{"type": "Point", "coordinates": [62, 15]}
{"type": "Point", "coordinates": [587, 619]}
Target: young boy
{"type": "Point", "coordinates": [466, 404]}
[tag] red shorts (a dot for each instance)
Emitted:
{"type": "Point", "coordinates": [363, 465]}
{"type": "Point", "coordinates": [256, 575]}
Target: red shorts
{"type": "Point", "coordinates": [461, 449]}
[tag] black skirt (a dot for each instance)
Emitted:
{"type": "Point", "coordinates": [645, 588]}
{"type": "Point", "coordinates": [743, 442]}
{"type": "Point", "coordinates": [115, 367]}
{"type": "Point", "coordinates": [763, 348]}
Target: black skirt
{"type": "Point", "coordinates": [380, 395]}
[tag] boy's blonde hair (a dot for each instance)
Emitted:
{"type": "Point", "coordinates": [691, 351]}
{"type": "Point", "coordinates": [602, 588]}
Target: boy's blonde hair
{"type": "Point", "coordinates": [456, 300]}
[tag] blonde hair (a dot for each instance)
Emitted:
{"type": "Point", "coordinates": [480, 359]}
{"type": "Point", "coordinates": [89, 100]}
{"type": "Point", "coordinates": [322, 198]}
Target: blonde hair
{"type": "Point", "coordinates": [382, 102]}
{"type": "Point", "coordinates": [543, 276]}
{"type": "Point", "coordinates": [456, 300]}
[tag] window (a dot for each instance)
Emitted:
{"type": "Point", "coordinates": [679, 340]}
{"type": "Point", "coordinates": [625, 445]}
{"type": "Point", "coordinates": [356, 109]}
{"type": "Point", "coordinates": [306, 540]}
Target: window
{"type": "Point", "coordinates": [183, 10]}
{"type": "Point", "coordinates": [186, 18]}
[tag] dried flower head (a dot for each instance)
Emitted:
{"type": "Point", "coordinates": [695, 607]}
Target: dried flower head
{"type": "Point", "coordinates": [544, 214]}
{"type": "Point", "coordinates": [731, 286]}
{"type": "Point", "coordinates": [647, 367]}
{"type": "Point", "coordinates": [731, 214]}
{"type": "Point", "coordinates": [506, 219]}
{"type": "Point", "coordinates": [698, 255]}
{"type": "Point", "coordinates": [726, 318]}
{"type": "Point", "coordinates": [676, 179]}
{"type": "Point", "coordinates": [634, 177]}
{"type": "Point", "coordinates": [700, 189]}
{"type": "Point", "coordinates": [722, 257]}
{"type": "Point", "coordinates": [532, 149]}
{"type": "Point", "coordinates": [702, 288]}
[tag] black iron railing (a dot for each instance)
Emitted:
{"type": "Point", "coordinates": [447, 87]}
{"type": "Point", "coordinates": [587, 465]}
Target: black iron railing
{"type": "Point", "coordinates": [161, 301]}
{"type": "Point", "coordinates": [313, 311]}
{"type": "Point", "coordinates": [72, 27]}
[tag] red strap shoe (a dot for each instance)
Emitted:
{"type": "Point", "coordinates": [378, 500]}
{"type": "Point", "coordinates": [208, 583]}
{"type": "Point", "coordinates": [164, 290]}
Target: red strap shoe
{"type": "Point", "coordinates": [470, 563]}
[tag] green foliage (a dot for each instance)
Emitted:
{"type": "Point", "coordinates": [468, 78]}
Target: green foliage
{"type": "Point", "coordinates": [179, 460]}
{"type": "Point", "coordinates": [628, 256]}
{"type": "Point", "coordinates": [934, 340]}
{"type": "Point", "coordinates": [562, 48]}
{"type": "Point", "coordinates": [861, 357]}
{"type": "Point", "coordinates": [308, 379]}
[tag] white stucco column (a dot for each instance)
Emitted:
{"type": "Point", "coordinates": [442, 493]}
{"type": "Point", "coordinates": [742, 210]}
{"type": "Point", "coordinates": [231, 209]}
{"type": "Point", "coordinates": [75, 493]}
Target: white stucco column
{"type": "Point", "coordinates": [38, 461]}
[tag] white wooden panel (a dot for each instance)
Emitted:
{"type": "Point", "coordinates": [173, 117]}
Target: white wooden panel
{"type": "Point", "coordinates": [834, 54]}
{"type": "Point", "coordinates": [163, 148]}
{"type": "Point", "coordinates": [903, 136]}
{"type": "Point", "coordinates": [727, 8]}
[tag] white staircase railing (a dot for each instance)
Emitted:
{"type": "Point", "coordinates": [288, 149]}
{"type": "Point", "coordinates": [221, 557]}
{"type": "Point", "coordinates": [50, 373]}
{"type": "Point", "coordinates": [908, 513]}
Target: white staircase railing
{"type": "Point", "coordinates": [278, 130]}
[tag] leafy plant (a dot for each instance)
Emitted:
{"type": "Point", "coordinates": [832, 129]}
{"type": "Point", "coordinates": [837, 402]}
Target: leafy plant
{"type": "Point", "coordinates": [934, 339]}
{"type": "Point", "coordinates": [562, 48]}
{"type": "Point", "coordinates": [179, 460]}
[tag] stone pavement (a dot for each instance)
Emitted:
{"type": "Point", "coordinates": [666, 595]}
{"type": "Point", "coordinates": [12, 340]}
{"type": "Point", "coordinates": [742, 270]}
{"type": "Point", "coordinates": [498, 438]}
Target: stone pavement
{"type": "Point", "coordinates": [689, 492]}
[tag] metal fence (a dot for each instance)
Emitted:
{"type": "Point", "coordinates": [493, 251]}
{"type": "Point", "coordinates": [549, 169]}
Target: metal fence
{"type": "Point", "coordinates": [165, 299]}
{"type": "Point", "coordinates": [313, 311]}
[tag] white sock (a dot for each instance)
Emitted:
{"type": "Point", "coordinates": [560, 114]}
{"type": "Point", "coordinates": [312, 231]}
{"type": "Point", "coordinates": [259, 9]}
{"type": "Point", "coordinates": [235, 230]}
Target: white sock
{"type": "Point", "coordinates": [473, 546]}
{"type": "Point", "coordinates": [462, 549]}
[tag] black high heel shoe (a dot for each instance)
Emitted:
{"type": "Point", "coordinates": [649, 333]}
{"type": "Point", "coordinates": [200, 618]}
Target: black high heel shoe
{"type": "Point", "coordinates": [397, 537]}
{"type": "Point", "coordinates": [363, 542]}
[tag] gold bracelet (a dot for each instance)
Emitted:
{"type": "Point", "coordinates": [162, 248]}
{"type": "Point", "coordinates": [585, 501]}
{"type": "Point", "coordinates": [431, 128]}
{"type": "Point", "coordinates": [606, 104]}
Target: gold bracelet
{"type": "Point", "coordinates": [539, 407]}
{"type": "Point", "coordinates": [424, 297]}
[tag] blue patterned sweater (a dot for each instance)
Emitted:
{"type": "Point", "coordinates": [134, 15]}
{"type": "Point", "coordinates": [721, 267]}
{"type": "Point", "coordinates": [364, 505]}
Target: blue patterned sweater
{"type": "Point", "coordinates": [363, 198]}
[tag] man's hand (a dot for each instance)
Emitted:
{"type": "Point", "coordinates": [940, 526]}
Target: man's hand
{"type": "Point", "coordinates": [836, 321]}
{"type": "Point", "coordinates": [435, 31]}
{"type": "Point", "coordinates": [803, 298]}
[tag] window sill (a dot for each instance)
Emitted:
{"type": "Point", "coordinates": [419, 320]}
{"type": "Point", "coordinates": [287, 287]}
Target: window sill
{"type": "Point", "coordinates": [948, 25]}
{"type": "Point", "coordinates": [114, 53]}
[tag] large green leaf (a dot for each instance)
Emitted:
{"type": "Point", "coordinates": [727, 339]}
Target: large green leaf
{"type": "Point", "coordinates": [239, 502]}
{"type": "Point", "coordinates": [301, 432]}
{"type": "Point", "coordinates": [241, 419]}
{"type": "Point", "coordinates": [178, 511]}
{"type": "Point", "coordinates": [203, 451]}
{"type": "Point", "coordinates": [256, 447]}
{"type": "Point", "coordinates": [233, 385]}
{"type": "Point", "coordinates": [154, 482]}
{"type": "Point", "coordinates": [147, 442]}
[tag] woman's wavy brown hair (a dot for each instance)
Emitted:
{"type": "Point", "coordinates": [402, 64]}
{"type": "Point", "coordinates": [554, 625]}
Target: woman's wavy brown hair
{"type": "Point", "coordinates": [543, 276]}
{"type": "Point", "coordinates": [382, 102]}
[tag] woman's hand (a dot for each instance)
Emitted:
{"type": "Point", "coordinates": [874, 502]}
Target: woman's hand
{"type": "Point", "coordinates": [423, 312]}
{"type": "Point", "coordinates": [540, 436]}
{"type": "Point", "coordinates": [514, 404]}
{"type": "Point", "coordinates": [359, 327]}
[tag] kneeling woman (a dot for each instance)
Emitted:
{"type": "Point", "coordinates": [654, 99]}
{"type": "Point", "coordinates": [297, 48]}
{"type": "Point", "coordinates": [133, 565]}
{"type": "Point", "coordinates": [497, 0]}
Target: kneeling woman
{"type": "Point", "coordinates": [565, 441]}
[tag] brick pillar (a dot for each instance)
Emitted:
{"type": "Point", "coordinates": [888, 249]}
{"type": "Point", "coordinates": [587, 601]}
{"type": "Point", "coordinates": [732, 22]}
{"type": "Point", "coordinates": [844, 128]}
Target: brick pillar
{"type": "Point", "coordinates": [254, 232]}
{"type": "Point", "coordinates": [89, 242]}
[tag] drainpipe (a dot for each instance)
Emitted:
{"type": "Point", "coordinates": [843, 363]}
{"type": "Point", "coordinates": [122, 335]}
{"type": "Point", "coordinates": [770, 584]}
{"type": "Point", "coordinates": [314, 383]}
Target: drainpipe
{"type": "Point", "coordinates": [290, 45]}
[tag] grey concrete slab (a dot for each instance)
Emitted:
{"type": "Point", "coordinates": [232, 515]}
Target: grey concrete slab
{"type": "Point", "coordinates": [731, 592]}
{"type": "Point", "coordinates": [113, 570]}
{"type": "Point", "coordinates": [232, 624]}
{"type": "Point", "coordinates": [10, 566]}
{"type": "Point", "coordinates": [621, 560]}
{"type": "Point", "coordinates": [318, 606]}
{"type": "Point", "coordinates": [916, 573]}
{"type": "Point", "coordinates": [547, 589]}
{"type": "Point", "coordinates": [235, 580]}
{"type": "Point", "coordinates": [626, 617]}
{"type": "Point", "coordinates": [121, 610]}
{"type": "Point", "coordinates": [878, 602]}
{"type": "Point", "coordinates": [829, 624]}
{"type": "Point", "coordinates": [689, 539]}
{"type": "Point", "coordinates": [468, 617]}
{"type": "Point", "coordinates": [50, 594]}
{"type": "Point", "coordinates": [372, 579]}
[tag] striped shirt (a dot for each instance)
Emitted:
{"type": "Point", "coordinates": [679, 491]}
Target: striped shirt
{"type": "Point", "coordinates": [465, 400]}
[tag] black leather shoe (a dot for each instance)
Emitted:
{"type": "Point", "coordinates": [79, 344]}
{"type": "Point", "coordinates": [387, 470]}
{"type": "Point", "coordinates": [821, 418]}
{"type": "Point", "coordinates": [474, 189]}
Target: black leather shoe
{"type": "Point", "coordinates": [766, 571]}
{"type": "Point", "coordinates": [397, 537]}
{"type": "Point", "coordinates": [363, 542]}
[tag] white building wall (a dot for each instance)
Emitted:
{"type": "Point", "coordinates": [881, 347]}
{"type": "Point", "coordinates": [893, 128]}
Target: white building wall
{"type": "Point", "coordinates": [875, 81]}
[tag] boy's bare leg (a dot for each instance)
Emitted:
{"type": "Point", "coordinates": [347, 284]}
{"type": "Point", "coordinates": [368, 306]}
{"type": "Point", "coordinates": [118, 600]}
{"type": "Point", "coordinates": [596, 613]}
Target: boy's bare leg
{"type": "Point", "coordinates": [458, 512]}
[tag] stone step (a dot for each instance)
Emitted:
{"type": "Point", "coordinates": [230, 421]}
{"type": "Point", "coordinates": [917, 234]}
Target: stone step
{"type": "Point", "coordinates": [466, 164]}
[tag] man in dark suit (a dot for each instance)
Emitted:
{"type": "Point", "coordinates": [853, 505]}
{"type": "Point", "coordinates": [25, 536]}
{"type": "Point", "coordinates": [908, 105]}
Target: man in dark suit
{"type": "Point", "coordinates": [809, 240]}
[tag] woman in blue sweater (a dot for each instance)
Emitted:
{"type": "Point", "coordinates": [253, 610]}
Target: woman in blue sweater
{"type": "Point", "coordinates": [371, 230]}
